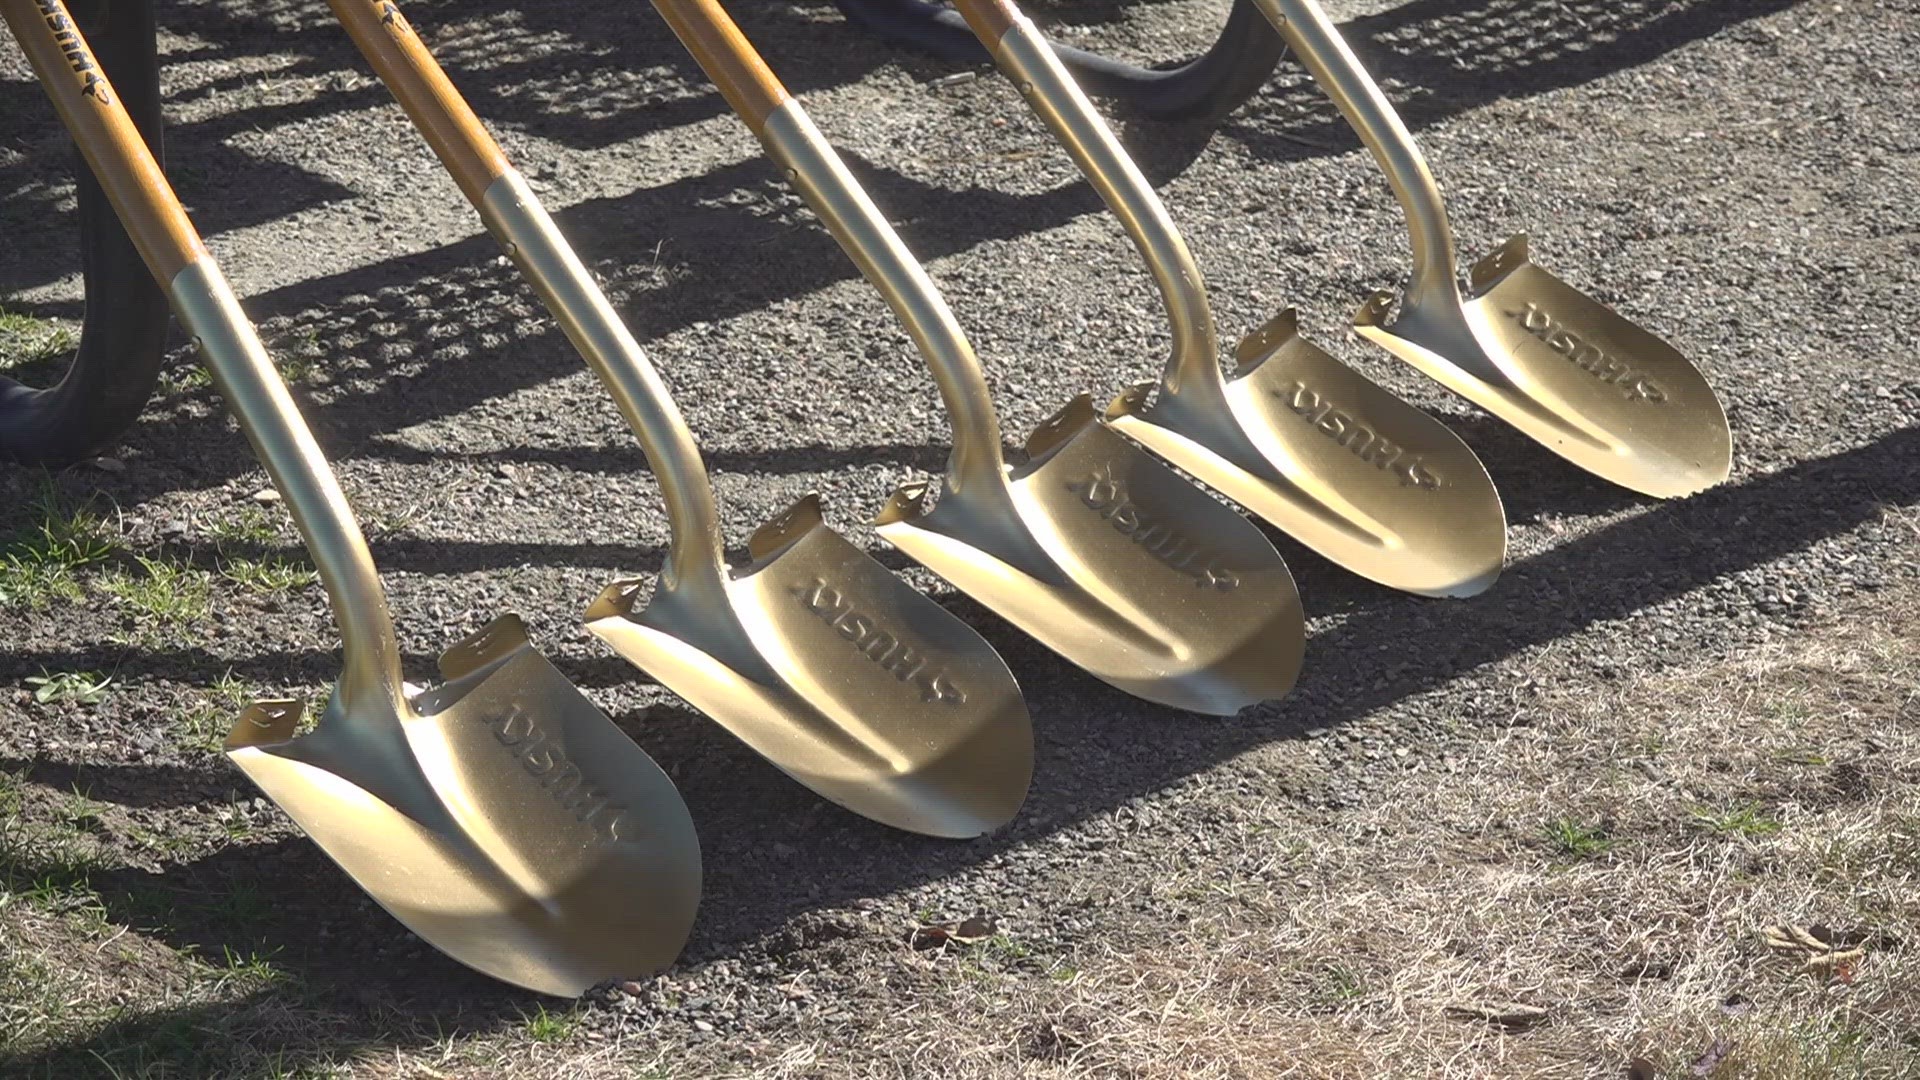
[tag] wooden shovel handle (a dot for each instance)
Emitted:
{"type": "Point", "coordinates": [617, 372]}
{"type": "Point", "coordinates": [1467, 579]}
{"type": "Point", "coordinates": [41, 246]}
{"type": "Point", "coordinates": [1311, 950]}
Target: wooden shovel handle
{"type": "Point", "coordinates": [727, 57]}
{"type": "Point", "coordinates": [118, 156]}
{"type": "Point", "coordinates": [990, 19]}
{"type": "Point", "coordinates": [424, 91]}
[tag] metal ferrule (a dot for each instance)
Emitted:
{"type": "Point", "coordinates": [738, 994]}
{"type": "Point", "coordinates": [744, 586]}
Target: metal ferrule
{"type": "Point", "coordinates": [1029, 60]}
{"type": "Point", "coordinates": [816, 171]}
{"type": "Point", "coordinates": [512, 212]}
{"type": "Point", "coordinates": [259, 399]}
{"type": "Point", "coordinates": [1340, 74]}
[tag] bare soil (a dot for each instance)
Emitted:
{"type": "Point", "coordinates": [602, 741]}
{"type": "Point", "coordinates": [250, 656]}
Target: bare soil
{"type": "Point", "coordinates": [1544, 832]}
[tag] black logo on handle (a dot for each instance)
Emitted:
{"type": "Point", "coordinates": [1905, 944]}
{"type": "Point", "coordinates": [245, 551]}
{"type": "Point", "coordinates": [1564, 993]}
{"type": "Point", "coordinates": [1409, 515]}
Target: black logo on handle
{"type": "Point", "coordinates": [74, 48]}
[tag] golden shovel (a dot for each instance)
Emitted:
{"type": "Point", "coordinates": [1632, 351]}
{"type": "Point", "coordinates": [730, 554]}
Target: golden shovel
{"type": "Point", "coordinates": [1353, 472]}
{"type": "Point", "coordinates": [500, 816]}
{"type": "Point", "coordinates": [1094, 547]}
{"type": "Point", "coordinates": [1526, 346]}
{"type": "Point", "coordinates": [817, 657]}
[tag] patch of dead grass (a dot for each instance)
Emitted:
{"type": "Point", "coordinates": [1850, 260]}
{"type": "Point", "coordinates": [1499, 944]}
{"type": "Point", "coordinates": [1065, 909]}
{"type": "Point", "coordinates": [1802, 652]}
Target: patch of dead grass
{"type": "Point", "coordinates": [1556, 897]}
{"type": "Point", "coordinates": [1596, 881]}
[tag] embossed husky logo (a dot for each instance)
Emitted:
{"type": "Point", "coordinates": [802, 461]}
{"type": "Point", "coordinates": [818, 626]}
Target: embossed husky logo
{"type": "Point", "coordinates": [1363, 442]}
{"type": "Point", "coordinates": [1103, 492]}
{"type": "Point", "coordinates": [93, 84]}
{"type": "Point", "coordinates": [1585, 355]}
{"type": "Point", "coordinates": [544, 759]}
{"type": "Point", "coordinates": [894, 656]}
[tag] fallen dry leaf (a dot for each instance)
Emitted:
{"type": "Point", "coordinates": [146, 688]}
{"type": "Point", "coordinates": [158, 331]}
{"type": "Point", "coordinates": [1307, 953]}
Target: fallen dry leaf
{"type": "Point", "coordinates": [1507, 1015]}
{"type": "Point", "coordinates": [939, 935]}
{"type": "Point", "coordinates": [1823, 953]}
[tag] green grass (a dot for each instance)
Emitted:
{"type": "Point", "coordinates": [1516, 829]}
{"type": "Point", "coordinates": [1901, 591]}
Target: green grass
{"type": "Point", "coordinates": [254, 527]}
{"type": "Point", "coordinates": [184, 379]}
{"type": "Point", "coordinates": [1003, 948]}
{"type": "Point", "coordinates": [83, 814]}
{"type": "Point", "coordinates": [76, 687]}
{"type": "Point", "coordinates": [271, 575]}
{"type": "Point", "coordinates": [1334, 985]}
{"type": "Point", "coordinates": [49, 865]}
{"type": "Point", "coordinates": [546, 1027]}
{"type": "Point", "coordinates": [204, 725]}
{"type": "Point", "coordinates": [40, 561]}
{"type": "Point", "coordinates": [165, 596]}
{"type": "Point", "coordinates": [250, 525]}
{"type": "Point", "coordinates": [1576, 840]}
{"type": "Point", "coordinates": [248, 968]}
{"type": "Point", "coordinates": [26, 340]}
{"type": "Point", "coordinates": [1747, 820]}
{"type": "Point", "coordinates": [297, 354]}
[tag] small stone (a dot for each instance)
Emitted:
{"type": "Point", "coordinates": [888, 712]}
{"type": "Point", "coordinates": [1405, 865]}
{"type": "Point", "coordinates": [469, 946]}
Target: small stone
{"type": "Point", "coordinates": [266, 496]}
{"type": "Point", "coordinates": [702, 1026]}
{"type": "Point", "coordinates": [109, 465]}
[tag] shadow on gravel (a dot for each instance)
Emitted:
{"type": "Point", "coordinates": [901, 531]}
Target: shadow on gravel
{"type": "Point", "coordinates": [767, 841]}
{"type": "Point", "coordinates": [1445, 57]}
{"type": "Point", "coordinates": [590, 73]}
{"type": "Point", "coordinates": [584, 73]}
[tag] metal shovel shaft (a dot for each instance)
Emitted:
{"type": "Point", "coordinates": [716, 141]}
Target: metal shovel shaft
{"type": "Point", "coordinates": [200, 296]}
{"type": "Point", "coordinates": [1027, 58]}
{"type": "Point", "coordinates": [696, 559]}
{"type": "Point", "coordinates": [704, 27]}
{"type": "Point", "coordinates": [1567, 370]}
{"type": "Point", "coordinates": [1094, 547]}
{"type": "Point", "coordinates": [1331, 62]}
{"type": "Point", "coordinates": [834, 669]}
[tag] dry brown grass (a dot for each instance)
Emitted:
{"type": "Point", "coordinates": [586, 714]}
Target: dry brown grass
{"type": "Point", "coordinates": [1610, 861]}
{"type": "Point", "coordinates": [1598, 868]}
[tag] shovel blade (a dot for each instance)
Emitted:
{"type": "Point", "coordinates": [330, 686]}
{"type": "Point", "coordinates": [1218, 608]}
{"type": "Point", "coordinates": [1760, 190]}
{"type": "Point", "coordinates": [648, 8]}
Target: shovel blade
{"type": "Point", "coordinates": [510, 824]}
{"type": "Point", "coordinates": [1119, 565]}
{"type": "Point", "coordinates": [844, 677]}
{"type": "Point", "coordinates": [1572, 374]}
{"type": "Point", "coordinates": [1361, 477]}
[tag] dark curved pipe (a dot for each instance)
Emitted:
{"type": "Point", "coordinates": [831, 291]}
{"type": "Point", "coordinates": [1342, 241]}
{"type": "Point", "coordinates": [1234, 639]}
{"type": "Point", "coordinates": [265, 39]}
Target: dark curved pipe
{"type": "Point", "coordinates": [124, 333]}
{"type": "Point", "coordinates": [1212, 84]}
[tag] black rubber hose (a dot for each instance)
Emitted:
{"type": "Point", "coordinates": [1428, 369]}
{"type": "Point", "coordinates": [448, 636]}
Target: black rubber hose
{"type": "Point", "coordinates": [124, 333]}
{"type": "Point", "coordinates": [1212, 84]}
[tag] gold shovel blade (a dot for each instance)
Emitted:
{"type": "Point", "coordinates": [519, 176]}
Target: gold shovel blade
{"type": "Point", "coordinates": [845, 677]}
{"type": "Point", "coordinates": [1118, 564]}
{"type": "Point", "coordinates": [1569, 372]}
{"type": "Point", "coordinates": [1327, 456]}
{"type": "Point", "coordinates": [507, 822]}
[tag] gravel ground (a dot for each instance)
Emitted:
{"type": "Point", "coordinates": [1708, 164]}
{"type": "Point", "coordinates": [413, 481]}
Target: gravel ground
{"type": "Point", "coordinates": [1739, 176]}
